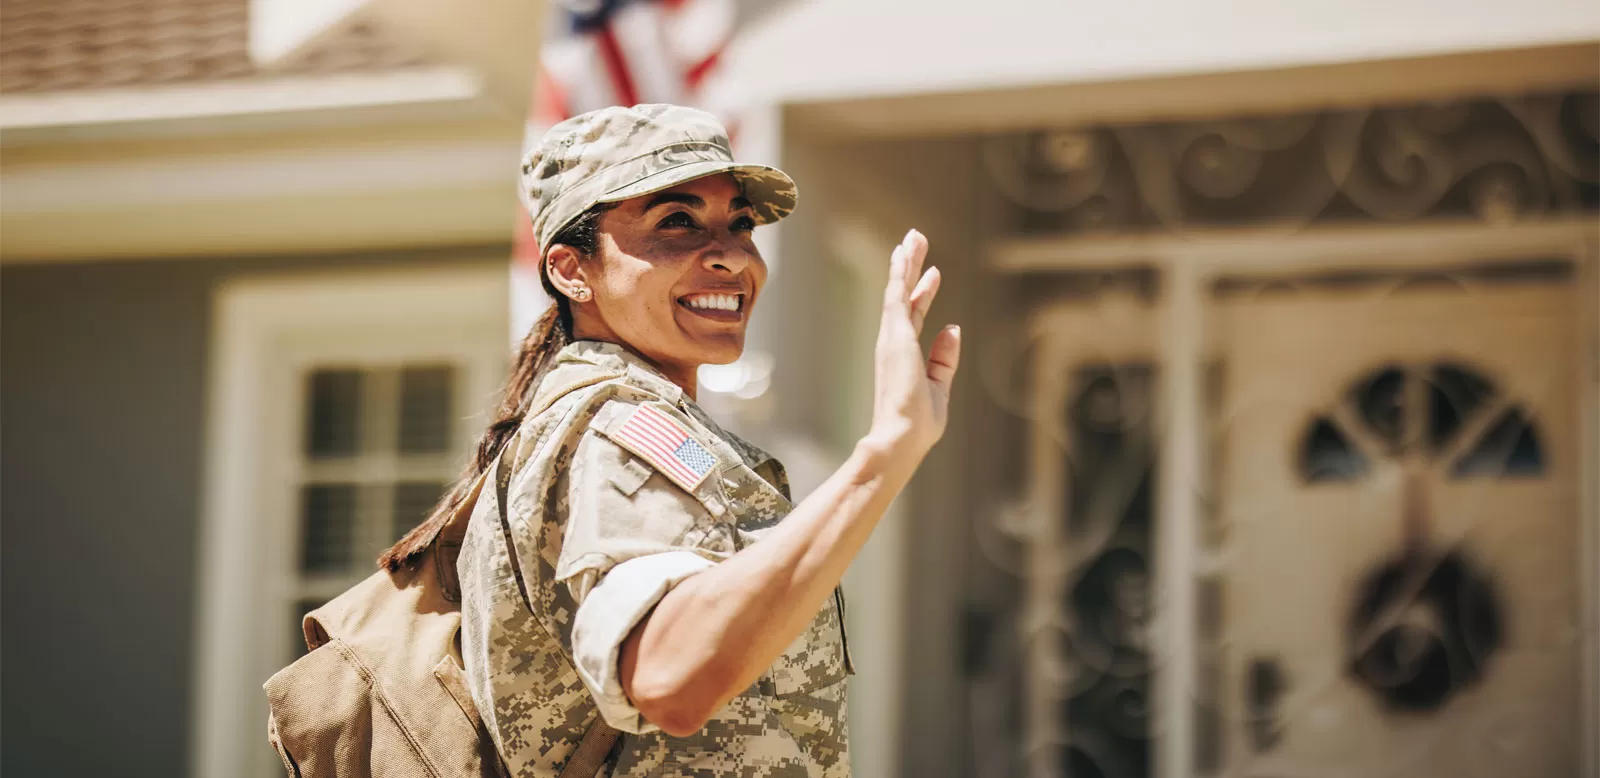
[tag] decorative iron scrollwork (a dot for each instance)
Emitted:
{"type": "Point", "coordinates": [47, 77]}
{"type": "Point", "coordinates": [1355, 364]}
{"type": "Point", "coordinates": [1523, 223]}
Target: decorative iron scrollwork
{"type": "Point", "coordinates": [1493, 159]}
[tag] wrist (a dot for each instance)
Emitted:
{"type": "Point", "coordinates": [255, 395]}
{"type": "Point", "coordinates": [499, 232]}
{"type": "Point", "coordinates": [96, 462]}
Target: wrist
{"type": "Point", "coordinates": [885, 456]}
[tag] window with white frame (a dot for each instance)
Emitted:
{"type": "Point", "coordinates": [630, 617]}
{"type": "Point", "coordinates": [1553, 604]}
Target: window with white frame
{"type": "Point", "coordinates": [379, 448]}
{"type": "Point", "coordinates": [341, 408]}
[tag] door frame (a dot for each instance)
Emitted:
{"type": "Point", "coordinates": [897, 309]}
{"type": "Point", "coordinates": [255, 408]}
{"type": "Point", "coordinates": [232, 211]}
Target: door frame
{"type": "Point", "coordinates": [260, 330]}
{"type": "Point", "coordinates": [1189, 263]}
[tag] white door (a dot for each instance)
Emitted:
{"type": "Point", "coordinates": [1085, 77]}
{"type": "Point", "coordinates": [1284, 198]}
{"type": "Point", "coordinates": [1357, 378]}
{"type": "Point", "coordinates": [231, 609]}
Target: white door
{"type": "Point", "coordinates": [1399, 500]}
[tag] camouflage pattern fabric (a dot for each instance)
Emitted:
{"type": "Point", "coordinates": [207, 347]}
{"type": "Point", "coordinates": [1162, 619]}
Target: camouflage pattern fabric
{"type": "Point", "coordinates": [579, 506]}
{"type": "Point", "coordinates": [612, 154]}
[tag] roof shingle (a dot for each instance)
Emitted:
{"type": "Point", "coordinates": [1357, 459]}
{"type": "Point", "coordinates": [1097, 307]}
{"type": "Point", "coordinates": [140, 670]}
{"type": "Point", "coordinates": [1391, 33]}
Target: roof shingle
{"type": "Point", "coordinates": [58, 45]}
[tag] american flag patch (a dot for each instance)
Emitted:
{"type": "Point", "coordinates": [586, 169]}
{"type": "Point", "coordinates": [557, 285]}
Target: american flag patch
{"type": "Point", "coordinates": [664, 443]}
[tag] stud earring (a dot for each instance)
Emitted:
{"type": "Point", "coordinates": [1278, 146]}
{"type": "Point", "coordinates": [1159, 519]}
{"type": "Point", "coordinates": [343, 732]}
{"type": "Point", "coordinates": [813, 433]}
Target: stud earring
{"type": "Point", "coordinates": [581, 295]}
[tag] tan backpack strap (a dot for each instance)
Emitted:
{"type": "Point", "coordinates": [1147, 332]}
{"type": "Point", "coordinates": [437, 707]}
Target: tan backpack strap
{"type": "Point", "coordinates": [600, 737]}
{"type": "Point", "coordinates": [505, 466]}
{"type": "Point", "coordinates": [502, 483]}
{"type": "Point", "coordinates": [592, 750]}
{"type": "Point", "coordinates": [454, 682]}
{"type": "Point", "coordinates": [447, 542]}
{"type": "Point", "coordinates": [598, 740]}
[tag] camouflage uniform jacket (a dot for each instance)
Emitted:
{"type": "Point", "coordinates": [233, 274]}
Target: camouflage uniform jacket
{"type": "Point", "coordinates": [599, 535]}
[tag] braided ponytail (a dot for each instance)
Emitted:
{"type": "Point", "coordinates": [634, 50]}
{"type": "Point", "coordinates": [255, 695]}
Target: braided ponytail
{"type": "Point", "coordinates": [548, 336]}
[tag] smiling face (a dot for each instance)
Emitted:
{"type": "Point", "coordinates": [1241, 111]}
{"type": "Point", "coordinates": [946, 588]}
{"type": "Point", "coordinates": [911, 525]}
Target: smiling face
{"type": "Point", "coordinates": [674, 277]}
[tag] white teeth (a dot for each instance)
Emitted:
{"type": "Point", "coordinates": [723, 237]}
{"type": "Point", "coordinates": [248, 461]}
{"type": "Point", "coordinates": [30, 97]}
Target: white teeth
{"type": "Point", "coordinates": [716, 302]}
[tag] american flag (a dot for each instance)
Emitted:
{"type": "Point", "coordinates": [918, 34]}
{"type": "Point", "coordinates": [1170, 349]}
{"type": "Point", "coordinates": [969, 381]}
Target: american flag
{"type": "Point", "coordinates": [625, 52]}
{"type": "Point", "coordinates": [656, 438]}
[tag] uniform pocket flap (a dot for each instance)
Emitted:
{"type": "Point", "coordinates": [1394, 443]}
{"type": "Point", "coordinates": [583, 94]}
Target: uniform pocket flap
{"type": "Point", "coordinates": [815, 660]}
{"type": "Point", "coordinates": [630, 476]}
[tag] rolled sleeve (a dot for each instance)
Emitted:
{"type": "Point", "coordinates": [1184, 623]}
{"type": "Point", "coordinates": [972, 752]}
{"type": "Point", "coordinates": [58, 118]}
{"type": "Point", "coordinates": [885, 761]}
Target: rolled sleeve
{"type": "Point", "coordinates": [608, 611]}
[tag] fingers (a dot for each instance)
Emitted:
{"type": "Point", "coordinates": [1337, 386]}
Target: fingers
{"type": "Point", "coordinates": [944, 358]}
{"type": "Point", "coordinates": [915, 251]}
{"type": "Point", "coordinates": [905, 270]}
{"type": "Point", "coordinates": [894, 294]}
{"type": "Point", "coordinates": [922, 297]}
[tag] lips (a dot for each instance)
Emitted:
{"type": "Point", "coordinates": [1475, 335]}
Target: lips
{"type": "Point", "coordinates": [716, 306]}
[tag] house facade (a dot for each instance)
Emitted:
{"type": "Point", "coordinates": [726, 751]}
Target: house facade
{"type": "Point", "coordinates": [1275, 443]}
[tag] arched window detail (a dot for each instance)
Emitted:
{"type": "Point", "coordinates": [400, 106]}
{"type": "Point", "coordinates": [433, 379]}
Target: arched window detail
{"type": "Point", "coordinates": [1326, 454]}
{"type": "Point", "coordinates": [1455, 395]}
{"type": "Point", "coordinates": [1509, 447]}
{"type": "Point", "coordinates": [1394, 413]}
{"type": "Point", "coordinates": [1380, 401]}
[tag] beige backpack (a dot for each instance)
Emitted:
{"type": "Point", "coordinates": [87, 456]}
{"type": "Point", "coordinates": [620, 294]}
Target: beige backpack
{"type": "Point", "coordinates": [382, 692]}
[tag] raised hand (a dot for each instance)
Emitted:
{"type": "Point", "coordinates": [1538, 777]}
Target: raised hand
{"type": "Point", "coordinates": [911, 392]}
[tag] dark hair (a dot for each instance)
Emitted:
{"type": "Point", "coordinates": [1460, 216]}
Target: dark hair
{"type": "Point", "coordinates": [551, 333]}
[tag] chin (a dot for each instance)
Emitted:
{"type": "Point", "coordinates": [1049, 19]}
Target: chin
{"type": "Point", "coordinates": [722, 352]}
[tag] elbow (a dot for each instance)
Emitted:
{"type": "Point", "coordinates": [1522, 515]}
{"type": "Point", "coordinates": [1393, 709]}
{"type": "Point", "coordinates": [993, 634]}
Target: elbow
{"type": "Point", "coordinates": [676, 684]}
{"type": "Point", "coordinates": [679, 704]}
{"type": "Point", "coordinates": [675, 719]}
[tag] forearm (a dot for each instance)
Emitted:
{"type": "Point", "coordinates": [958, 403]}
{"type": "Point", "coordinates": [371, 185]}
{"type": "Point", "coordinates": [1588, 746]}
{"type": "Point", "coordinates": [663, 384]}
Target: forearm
{"type": "Point", "coordinates": [718, 631]}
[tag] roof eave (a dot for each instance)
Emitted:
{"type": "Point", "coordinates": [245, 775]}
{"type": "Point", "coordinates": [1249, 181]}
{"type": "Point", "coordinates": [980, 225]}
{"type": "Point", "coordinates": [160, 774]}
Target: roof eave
{"type": "Point", "coordinates": [277, 102]}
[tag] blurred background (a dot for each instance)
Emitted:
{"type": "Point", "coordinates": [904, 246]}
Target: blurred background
{"type": "Point", "coordinates": [1276, 451]}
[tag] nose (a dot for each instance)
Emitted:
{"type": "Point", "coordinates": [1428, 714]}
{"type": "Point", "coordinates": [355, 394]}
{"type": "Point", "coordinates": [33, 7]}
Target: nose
{"type": "Point", "coordinates": [729, 256]}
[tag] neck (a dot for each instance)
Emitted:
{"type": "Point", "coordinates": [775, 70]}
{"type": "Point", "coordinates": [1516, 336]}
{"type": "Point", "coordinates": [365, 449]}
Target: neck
{"type": "Point", "coordinates": [687, 378]}
{"type": "Point", "coordinates": [688, 382]}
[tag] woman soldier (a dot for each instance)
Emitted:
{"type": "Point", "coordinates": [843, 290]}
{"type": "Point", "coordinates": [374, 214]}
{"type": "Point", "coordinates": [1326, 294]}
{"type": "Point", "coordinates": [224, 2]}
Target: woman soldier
{"type": "Point", "coordinates": [647, 563]}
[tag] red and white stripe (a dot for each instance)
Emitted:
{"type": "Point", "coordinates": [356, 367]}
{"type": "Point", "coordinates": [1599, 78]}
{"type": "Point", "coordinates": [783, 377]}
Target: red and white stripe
{"type": "Point", "coordinates": [655, 437]}
{"type": "Point", "coordinates": [648, 51]}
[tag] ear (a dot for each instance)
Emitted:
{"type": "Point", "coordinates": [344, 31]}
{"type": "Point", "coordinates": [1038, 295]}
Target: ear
{"type": "Point", "coordinates": [567, 274]}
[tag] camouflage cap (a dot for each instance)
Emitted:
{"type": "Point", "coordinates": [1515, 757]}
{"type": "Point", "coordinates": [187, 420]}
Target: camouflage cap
{"type": "Point", "coordinates": [612, 154]}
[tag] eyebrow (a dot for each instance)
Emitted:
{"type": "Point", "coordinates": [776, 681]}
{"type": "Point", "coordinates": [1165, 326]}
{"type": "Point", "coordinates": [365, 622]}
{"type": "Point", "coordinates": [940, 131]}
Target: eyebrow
{"type": "Point", "coordinates": [663, 198]}
{"type": "Point", "coordinates": [693, 201]}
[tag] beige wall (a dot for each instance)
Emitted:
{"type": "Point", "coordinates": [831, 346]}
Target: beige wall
{"type": "Point", "coordinates": [841, 49]}
{"type": "Point", "coordinates": [197, 193]}
{"type": "Point", "coordinates": [908, 588]}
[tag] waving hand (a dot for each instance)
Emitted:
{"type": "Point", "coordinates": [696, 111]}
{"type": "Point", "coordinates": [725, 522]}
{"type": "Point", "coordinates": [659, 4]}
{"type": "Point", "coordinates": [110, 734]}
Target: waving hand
{"type": "Point", "coordinates": [912, 392]}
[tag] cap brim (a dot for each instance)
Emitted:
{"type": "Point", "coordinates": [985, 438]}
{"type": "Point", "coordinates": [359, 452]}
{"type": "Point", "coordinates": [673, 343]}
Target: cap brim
{"type": "Point", "coordinates": [771, 192]}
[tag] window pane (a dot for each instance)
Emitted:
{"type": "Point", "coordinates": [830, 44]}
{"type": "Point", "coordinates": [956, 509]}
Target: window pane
{"type": "Point", "coordinates": [328, 523]}
{"type": "Point", "coordinates": [425, 402]}
{"type": "Point", "coordinates": [1326, 455]}
{"type": "Point", "coordinates": [412, 502]}
{"type": "Point", "coordinates": [1380, 401]}
{"type": "Point", "coordinates": [1509, 447]}
{"type": "Point", "coordinates": [1455, 393]}
{"type": "Point", "coordinates": [333, 413]}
